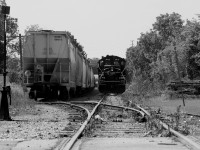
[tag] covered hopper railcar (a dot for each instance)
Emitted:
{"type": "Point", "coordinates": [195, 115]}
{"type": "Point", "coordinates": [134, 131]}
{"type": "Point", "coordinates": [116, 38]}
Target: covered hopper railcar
{"type": "Point", "coordinates": [112, 74]}
{"type": "Point", "coordinates": [55, 65]}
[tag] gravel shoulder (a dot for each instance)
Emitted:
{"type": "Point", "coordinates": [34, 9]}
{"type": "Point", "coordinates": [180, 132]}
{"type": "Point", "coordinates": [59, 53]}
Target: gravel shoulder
{"type": "Point", "coordinates": [34, 126]}
{"type": "Point", "coordinates": [36, 122]}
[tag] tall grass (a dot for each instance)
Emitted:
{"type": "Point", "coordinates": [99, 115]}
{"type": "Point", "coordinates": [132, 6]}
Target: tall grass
{"type": "Point", "coordinates": [19, 98]}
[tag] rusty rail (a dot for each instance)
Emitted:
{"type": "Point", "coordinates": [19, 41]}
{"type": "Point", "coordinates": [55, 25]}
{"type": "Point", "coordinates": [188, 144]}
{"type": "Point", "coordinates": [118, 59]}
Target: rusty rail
{"type": "Point", "coordinates": [75, 137]}
{"type": "Point", "coordinates": [65, 143]}
{"type": "Point", "coordinates": [194, 145]}
{"type": "Point", "coordinates": [104, 104]}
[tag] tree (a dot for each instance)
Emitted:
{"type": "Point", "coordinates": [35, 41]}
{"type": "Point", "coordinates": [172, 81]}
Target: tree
{"type": "Point", "coordinates": [150, 44]}
{"type": "Point", "coordinates": [94, 64]}
{"type": "Point", "coordinates": [34, 27]}
{"type": "Point", "coordinates": [191, 33]}
{"type": "Point", "coordinates": [150, 61]}
{"type": "Point", "coordinates": [168, 25]}
{"type": "Point", "coordinates": [11, 32]}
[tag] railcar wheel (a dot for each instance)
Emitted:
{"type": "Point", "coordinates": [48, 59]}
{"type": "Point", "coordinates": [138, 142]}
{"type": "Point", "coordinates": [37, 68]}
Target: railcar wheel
{"type": "Point", "coordinates": [63, 93]}
{"type": "Point", "coordinates": [72, 93]}
{"type": "Point", "coordinates": [78, 91]}
{"type": "Point", "coordinates": [58, 94]}
{"type": "Point", "coordinates": [122, 89]}
{"type": "Point", "coordinates": [35, 95]}
{"type": "Point", "coordinates": [101, 90]}
{"type": "Point", "coordinates": [31, 95]}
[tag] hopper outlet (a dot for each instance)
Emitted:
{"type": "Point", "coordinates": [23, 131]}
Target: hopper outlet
{"type": "Point", "coordinates": [39, 73]}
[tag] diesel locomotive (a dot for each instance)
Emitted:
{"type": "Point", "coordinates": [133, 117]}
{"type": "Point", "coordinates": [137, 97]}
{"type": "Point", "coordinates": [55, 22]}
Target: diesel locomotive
{"type": "Point", "coordinates": [111, 74]}
{"type": "Point", "coordinates": [55, 65]}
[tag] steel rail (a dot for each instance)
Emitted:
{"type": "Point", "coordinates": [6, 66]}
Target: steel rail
{"type": "Point", "coordinates": [81, 129]}
{"type": "Point", "coordinates": [194, 145]}
{"type": "Point", "coordinates": [145, 111]}
{"type": "Point", "coordinates": [109, 105]}
{"type": "Point", "coordinates": [84, 102]}
{"type": "Point", "coordinates": [66, 103]}
{"type": "Point", "coordinates": [65, 141]}
{"type": "Point", "coordinates": [125, 108]}
{"type": "Point", "coordinates": [195, 115]}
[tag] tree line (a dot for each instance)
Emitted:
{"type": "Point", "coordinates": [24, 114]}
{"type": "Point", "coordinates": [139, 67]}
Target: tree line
{"type": "Point", "coordinates": [170, 51]}
{"type": "Point", "coordinates": [12, 47]}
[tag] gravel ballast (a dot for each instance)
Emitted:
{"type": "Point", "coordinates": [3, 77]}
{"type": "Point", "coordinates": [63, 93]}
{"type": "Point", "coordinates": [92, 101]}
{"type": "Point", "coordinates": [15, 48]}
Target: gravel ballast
{"type": "Point", "coordinates": [38, 122]}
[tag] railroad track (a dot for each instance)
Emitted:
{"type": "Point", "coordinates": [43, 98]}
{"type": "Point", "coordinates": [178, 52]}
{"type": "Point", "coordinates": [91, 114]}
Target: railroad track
{"type": "Point", "coordinates": [79, 117]}
{"type": "Point", "coordinates": [115, 121]}
{"type": "Point", "coordinates": [99, 119]}
{"type": "Point", "coordinates": [82, 119]}
{"type": "Point", "coordinates": [192, 121]}
{"type": "Point", "coordinates": [193, 141]}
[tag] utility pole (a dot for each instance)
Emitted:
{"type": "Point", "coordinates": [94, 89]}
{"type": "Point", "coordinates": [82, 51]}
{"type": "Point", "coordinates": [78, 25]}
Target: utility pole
{"type": "Point", "coordinates": [177, 65]}
{"type": "Point", "coordinates": [20, 51]}
{"type": "Point", "coordinates": [178, 72]}
{"type": "Point", "coordinates": [4, 109]}
{"type": "Point", "coordinates": [132, 42]}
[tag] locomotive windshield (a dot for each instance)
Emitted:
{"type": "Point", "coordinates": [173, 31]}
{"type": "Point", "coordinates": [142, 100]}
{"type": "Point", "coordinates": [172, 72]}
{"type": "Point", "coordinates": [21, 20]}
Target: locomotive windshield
{"type": "Point", "coordinates": [107, 62]}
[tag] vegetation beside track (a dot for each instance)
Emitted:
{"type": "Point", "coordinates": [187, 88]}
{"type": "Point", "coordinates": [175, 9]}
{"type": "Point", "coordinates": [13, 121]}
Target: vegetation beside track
{"type": "Point", "coordinates": [171, 109]}
{"type": "Point", "coordinates": [20, 102]}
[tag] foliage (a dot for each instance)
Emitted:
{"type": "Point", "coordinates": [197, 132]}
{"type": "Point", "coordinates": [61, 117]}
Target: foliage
{"type": "Point", "coordinates": [11, 34]}
{"type": "Point", "coordinates": [94, 64]}
{"type": "Point", "coordinates": [150, 44]}
{"type": "Point", "coordinates": [13, 49]}
{"type": "Point", "coordinates": [192, 44]}
{"type": "Point", "coordinates": [168, 25]}
{"type": "Point", "coordinates": [169, 51]}
{"type": "Point", "coordinates": [34, 27]}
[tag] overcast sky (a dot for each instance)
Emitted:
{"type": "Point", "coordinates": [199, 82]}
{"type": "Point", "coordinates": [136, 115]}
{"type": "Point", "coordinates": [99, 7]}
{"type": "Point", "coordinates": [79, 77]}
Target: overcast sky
{"type": "Point", "coordinates": [101, 26]}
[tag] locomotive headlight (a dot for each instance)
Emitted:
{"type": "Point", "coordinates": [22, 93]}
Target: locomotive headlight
{"type": "Point", "coordinates": [27, 73]}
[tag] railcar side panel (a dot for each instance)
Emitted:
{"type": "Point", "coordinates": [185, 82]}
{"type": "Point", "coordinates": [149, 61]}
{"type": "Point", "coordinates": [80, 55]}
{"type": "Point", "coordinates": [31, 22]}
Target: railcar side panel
{"type": "Point", "coordinates": [92, 78]}
{"type": "Point", "coordinates": [84, 81]}
{"type": "Point", "coordinates": [88, 72]}
{"type": "Point", "coordinates": [72, 65]}
{"type": "Point", "coordinates": [79, 69]}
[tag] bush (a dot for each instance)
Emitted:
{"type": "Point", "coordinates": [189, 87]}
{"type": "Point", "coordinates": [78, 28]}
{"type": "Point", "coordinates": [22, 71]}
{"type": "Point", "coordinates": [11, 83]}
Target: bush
{"type": "Point", "coordinates": [15, 77]}
{"type": "Point", "coordinates": [19, 97]}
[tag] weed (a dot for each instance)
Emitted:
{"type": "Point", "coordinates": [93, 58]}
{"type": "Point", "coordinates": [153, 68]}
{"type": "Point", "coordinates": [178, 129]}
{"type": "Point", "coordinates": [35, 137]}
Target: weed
{"type": "Point", "coordinates": [19, 98]}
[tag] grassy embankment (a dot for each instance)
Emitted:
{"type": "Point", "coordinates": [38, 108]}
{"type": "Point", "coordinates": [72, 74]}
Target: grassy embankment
{"type": "Point", "coordinates": [165, 101]}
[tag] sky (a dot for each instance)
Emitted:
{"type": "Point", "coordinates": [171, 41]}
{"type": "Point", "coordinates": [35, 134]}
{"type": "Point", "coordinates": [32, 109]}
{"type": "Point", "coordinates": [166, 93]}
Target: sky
{"type": "Point", "coordinates": [102, 27]}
